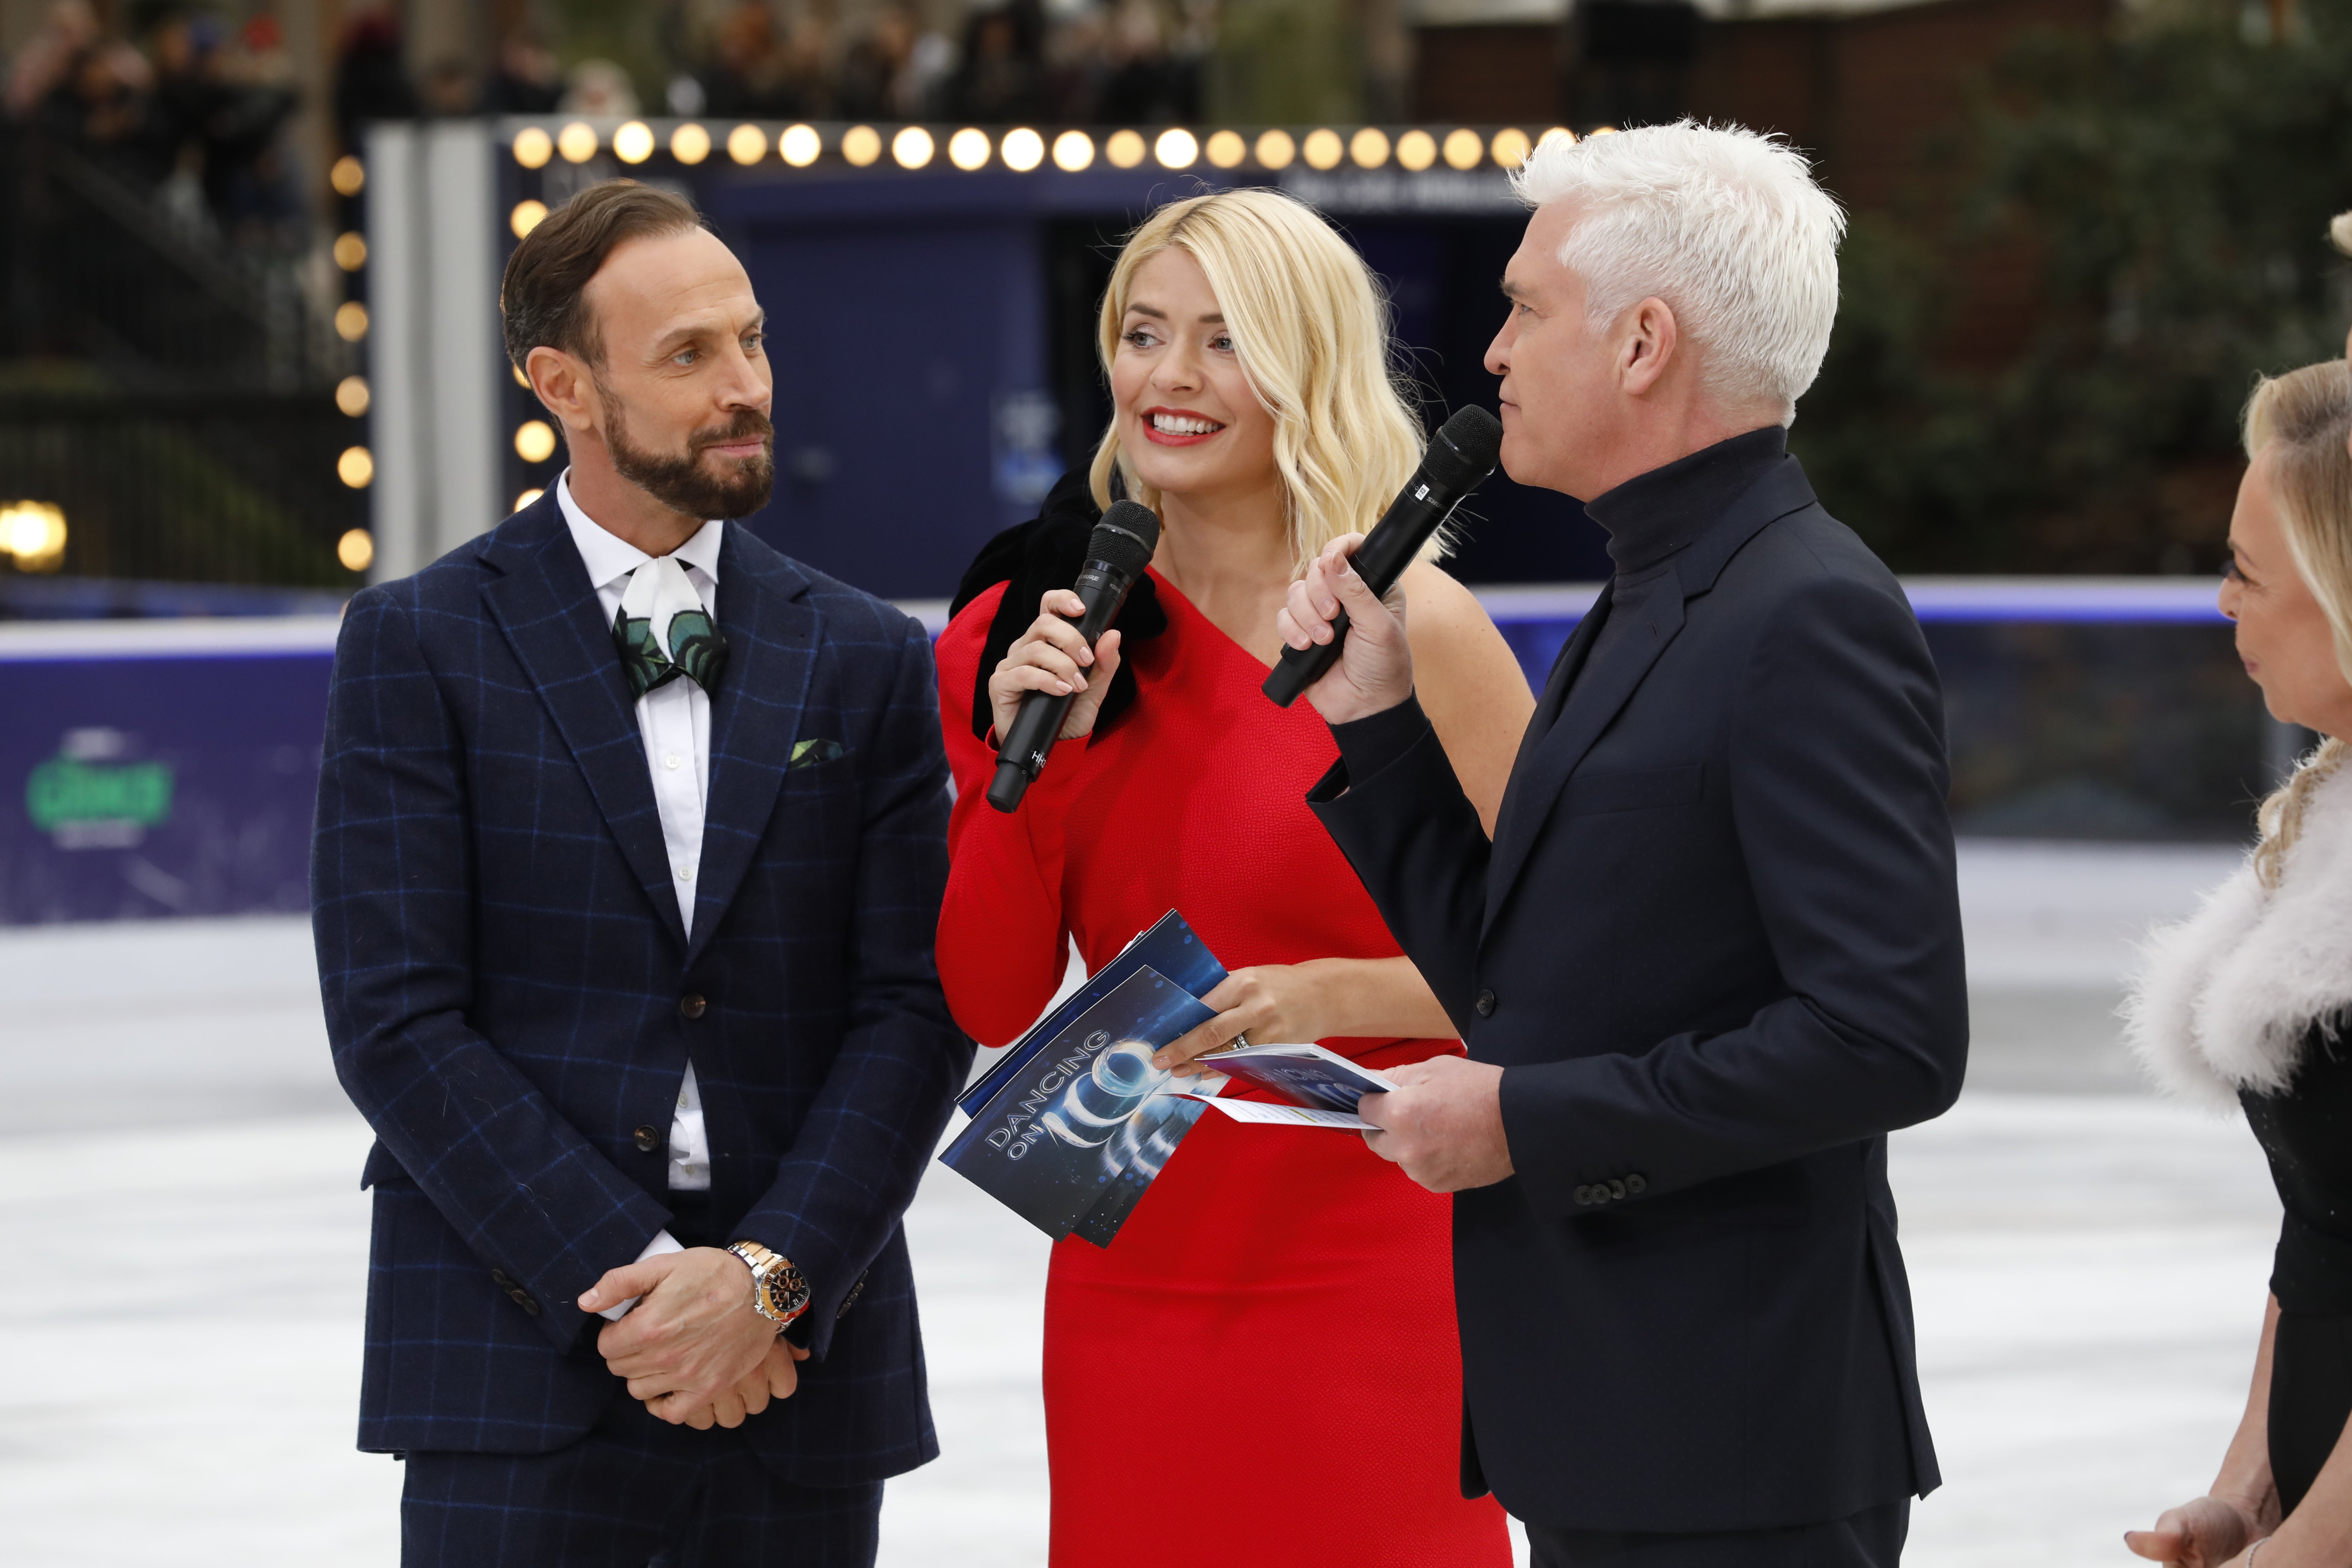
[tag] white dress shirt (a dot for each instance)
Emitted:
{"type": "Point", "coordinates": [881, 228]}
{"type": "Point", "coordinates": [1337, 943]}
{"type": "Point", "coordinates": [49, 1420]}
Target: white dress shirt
{"type": "Point", "coordinates": [675, 721]}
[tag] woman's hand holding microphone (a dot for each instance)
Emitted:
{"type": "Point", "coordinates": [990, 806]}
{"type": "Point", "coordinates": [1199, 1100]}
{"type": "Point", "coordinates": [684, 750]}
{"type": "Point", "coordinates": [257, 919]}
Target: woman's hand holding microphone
{"type": "Point", "coordinates": [1050, 656]}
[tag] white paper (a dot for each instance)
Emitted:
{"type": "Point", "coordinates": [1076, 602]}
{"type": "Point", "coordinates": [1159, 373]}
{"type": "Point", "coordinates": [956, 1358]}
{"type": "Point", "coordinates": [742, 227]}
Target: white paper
{"type": "Point", "coordinates": [1265, 1110]}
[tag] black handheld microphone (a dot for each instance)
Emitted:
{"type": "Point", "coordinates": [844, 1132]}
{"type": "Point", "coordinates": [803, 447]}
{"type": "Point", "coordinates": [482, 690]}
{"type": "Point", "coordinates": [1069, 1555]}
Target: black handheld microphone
{"type": "Point", "coordinates": [1117, 553]}
{"type": "Point", "coordinates": [1460, 457]}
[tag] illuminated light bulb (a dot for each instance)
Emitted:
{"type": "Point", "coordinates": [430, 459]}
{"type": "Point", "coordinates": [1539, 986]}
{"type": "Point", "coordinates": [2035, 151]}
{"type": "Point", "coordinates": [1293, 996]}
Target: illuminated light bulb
{"type": "Point", "coordinates": [1416, 149]}
{"type": "Point", "coordinates": [861, 144]}
{"type": "Point", "coordinates": [634, 142]}
{"type": "Point", "coordinates": [967, 149]}
{"type": "Point", "coordinates": [1369, 147]}
{"type": "Point", "coordinates": [689, 143]}
{"type": "Point", "coordinates": [912, 147]}
{"type": "Point", "coordinates": [533, 147]}
{"type": "Point", "coordinates": [534, 442]}
{"type": "Point", "coordinates": [351, 320]}
{"type": "Point", "coordinates": [1275, 148]}
{"type": "Point", "coordinates": [33, 531]}
{"type": "Point", "coordinates": [351, 251]}
{"type": "Point", "coordinates": [356, 467]}
{"type": "Point", "coordinates": [1125, 149]}
{"type": "Point", "coordinates": [1562, 132]}
{"type": "Point", "coordinates": [1073, 151]}
{"type": "Point", "coordinates": [576, 142]}
{"type": "Point", "coordinates": [528, 498]}
{"type": "Point", "coordinates": [1226, 149]}
{"type": "Point", "coordinates": [1022, 150]}
{"type": "Point", "coordinates": [1464, 149]}
{"type": "Point", "coordinates": [800, 145]}
{"type": "Point", "coordinates": [526, 216]}
{"type": "Point", "coordinates": [1176, 149]}
{"type": "Point", "coordinates": [1324, 150]}
{"type": "Point", "coordinates": [356, 549]}
{"type": "Point", "coordinates": [521, 379]}
{"type": "Point", "coordinates": [747, 145]}
{"type": "Point", "coordinates": [1510, 147]}
{"type": "Point", "coordinates": [1603, 130]}
{"type": "Point", "coordinates": [349, 176]}
{"type": "Point", "coordinates": [352, 396]}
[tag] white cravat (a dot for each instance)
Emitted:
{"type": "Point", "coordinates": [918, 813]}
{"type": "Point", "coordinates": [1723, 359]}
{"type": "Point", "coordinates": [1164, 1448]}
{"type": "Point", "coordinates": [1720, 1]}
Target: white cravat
{"type": "Point", "coordinates": [675, 721]}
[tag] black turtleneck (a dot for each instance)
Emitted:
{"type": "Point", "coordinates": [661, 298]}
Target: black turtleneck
{"type": "Point", "coordinates": [1651, 516]}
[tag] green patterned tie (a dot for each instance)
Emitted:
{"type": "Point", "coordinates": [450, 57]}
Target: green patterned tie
{"type": "Point", "coordinates": [691, 645]}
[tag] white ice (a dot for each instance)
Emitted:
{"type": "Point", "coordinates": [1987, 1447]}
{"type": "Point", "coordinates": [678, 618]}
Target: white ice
{"type": "Point", "coordinates": [179, 1199]}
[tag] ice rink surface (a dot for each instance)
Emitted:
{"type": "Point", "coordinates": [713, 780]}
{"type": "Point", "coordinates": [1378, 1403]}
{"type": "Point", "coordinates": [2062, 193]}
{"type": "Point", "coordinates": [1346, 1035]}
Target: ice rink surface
{"type": "Point", "coordinates": [179, 1192]}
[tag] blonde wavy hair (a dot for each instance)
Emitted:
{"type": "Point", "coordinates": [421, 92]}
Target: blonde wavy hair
{"type": "Point", "coordinates": [1311, 329]}
{"type": "Point", "coordinates": [2303, 419]}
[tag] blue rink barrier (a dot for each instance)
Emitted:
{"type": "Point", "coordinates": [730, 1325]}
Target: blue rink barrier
{"type": "Point", "coordinates": [166, 768]}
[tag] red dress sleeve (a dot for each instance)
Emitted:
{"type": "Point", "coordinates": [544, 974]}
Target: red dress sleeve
{"type": "Point", "coordinates": [1003, 943]}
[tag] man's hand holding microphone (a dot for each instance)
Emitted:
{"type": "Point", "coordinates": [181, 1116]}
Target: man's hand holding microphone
{"type": "Point", "coordinates": [1443, 1125]}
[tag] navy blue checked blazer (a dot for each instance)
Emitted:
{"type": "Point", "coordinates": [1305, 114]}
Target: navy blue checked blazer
{"type": "Point", "coordinates": [512, 1000]}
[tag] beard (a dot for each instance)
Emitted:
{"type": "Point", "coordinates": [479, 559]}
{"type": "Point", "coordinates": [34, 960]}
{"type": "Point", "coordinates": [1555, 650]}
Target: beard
{"type": "Point", "coordinates": [685, 484]}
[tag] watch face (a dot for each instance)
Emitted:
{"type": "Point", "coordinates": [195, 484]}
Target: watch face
{"type": "Point", "coordinates": [788, 1293]}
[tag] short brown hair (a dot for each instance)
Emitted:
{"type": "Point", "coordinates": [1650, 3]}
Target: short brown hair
{"type": "Point", "coordinates": [539, 295]}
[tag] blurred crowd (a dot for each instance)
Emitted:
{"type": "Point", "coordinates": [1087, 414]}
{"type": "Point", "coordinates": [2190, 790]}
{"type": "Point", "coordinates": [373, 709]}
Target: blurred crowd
{"type": "Point", "coordinates": [1086, 61]}
{"type": "Point", "coordinates": [1104, 62]}
{"type": "Point", "coordinates": [195, 111]}
{"type": "Point", "coordinates": [182, 106]}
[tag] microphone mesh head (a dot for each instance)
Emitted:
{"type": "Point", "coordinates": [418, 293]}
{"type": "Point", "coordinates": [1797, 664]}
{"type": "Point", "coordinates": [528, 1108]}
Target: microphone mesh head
{"type": "Point", "coordinates": [1466, 447]}
{"type": "Point", "coordinates": [1126, 537]}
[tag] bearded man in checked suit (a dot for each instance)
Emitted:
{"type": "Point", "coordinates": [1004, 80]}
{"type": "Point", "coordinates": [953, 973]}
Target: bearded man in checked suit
{"type": "Point", "coordinates": [629, 852]}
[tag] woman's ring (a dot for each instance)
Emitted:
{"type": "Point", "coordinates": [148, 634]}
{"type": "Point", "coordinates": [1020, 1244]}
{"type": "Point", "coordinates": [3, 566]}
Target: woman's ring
{"type": "Point", "coordinates": [1239, 1042]}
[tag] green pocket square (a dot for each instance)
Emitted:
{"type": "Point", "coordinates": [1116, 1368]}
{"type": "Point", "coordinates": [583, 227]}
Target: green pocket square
{"type": "Point", "coordinates": [808, 753]}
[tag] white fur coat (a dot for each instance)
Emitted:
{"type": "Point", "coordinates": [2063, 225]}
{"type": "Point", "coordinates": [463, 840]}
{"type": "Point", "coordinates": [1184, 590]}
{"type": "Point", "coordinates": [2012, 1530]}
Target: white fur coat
{"type": "Point", "coordinates": [2226, 999]}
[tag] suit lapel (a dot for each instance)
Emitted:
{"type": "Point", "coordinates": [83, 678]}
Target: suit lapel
{"type": "Point", "coordinates": [1573, 654]}
{"type": "Point", "coordinates": [547, 608]}
{"type": "Point", "coordinates": [771, 635]}
{"type": "Point", "coordinates": [1546, 762]}
{"type": "Point", "coordinates": [1542, 769]}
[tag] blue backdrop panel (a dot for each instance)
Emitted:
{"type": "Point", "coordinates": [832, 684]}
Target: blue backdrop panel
{"type": "Point", "coordinates": [160, 783]}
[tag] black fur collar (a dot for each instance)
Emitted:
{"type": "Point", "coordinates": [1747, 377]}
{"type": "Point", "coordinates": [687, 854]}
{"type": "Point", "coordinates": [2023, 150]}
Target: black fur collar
{"type": "Point", "coordinates": [1033, 558]}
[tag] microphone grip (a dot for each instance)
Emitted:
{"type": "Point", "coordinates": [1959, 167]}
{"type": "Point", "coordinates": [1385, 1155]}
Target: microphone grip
{"type": "Point", "coordinates": [1299, 669]}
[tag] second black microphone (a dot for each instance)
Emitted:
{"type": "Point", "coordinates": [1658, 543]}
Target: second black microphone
{"type": "Point", "coordinates": [1117, 552]}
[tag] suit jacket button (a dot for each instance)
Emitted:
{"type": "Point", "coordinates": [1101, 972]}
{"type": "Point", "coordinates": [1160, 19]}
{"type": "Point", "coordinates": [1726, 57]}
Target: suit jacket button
{"type": "Point", "coordinates": [523, 1299]}
{"type": "Point", "coordinates": [1616, 1189]}
{"type": "Point", "coordinates": [499, 1277]}
{"type": "Point", "coordinates": [1584, 1195]}
{"type": "Point", "coordinates": [646, 1139]}
{"type": "Point", "coordinates": [1486, 1004]}
{"type": "Point", "coordinates": [1635, 1184]}
{"type": "Point", "coordinates": [692, 1004]}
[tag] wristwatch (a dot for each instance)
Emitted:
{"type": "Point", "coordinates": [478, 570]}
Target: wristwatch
{"type": "Point", "coordinates": [778, 1292]}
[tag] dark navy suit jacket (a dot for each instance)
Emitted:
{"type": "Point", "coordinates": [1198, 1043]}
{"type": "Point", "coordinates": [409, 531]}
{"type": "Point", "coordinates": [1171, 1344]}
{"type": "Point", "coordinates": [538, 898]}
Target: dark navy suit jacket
{"type": "Point", "coordinates": [512, 1001]}
{"type": "Point", "coordinates": [1716, 947]}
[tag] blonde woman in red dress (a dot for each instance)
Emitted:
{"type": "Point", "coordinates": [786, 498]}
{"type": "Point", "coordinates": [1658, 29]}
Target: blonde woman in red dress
{"type": "Point", "coordinates": [1261, 1367]}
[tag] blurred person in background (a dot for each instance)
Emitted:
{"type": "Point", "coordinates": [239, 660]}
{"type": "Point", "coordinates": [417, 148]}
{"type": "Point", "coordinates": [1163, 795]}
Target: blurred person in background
{"type": "Point", "coordinates": [372, 73]}
{"type": "Point", "coordinates": [631, 836]}
{"type": "Point", "coordinates": [1001, 76]}
{"type": "Point", "coordinates": [872, 68]}
{"type": "Point", "coordinates": [524, 76]}
{"type": "Point", "coordinates": [1280, 1300]}
{"type": "Point", "coordinates": [2248, 1005]}
{"type": "Point", "coordinates": [600, 88]}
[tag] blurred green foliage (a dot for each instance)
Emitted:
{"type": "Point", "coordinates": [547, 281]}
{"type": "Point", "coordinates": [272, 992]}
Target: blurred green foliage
{"type": "Point", "coordinates": [2170, 185]}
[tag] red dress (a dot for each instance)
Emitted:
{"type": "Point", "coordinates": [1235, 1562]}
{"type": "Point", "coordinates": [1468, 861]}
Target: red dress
{"type": "Point", "coordinates": [1262, 1366]}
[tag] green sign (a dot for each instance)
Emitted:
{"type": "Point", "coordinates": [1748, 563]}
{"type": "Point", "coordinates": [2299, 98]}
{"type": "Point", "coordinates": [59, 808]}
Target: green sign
{"type": "Point", "coordinates": [63, 792]}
